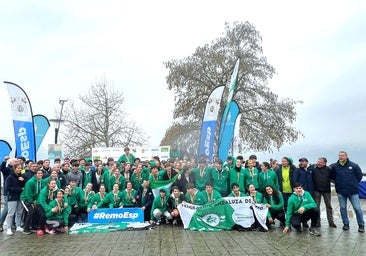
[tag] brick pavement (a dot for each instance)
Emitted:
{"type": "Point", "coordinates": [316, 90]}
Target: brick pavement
{"type": "Point", "coordinates": [169, 240]}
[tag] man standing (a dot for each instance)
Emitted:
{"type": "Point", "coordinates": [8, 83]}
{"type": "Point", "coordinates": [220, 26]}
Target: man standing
{"type": "Point", "coordinates": [347, 176]}
{"type": "Point", "coordinates": [321, 178]}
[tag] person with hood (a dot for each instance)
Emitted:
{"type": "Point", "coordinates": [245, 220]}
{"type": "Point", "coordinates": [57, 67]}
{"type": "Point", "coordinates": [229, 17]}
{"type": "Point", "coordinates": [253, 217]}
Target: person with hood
{"type": "Point", "coordinates": [44, 198]}
{"type": "Point", "coordinates": [251, 175]}
{"type": "Point", "coordinates": [138, 177]}
{"type": "Point", "coordinates": [274, 202]}
{"type": "Point", "coordinates": [113, 199]}
{"type": "Point", "coordinates": [97, 198]}
{"type": "Point", "coordinates": [210, 194]}
{"type": "Point", "coordinates": [236, 175]}
{"type": "Point", "coordinates": [117, 178]}
{"type": "Point", "coordinates": [235, 191]}
{"type": "Point", "coordinates": [128, 196]}
{"type": "Point", "coordinates": [301, 208]}
{"type": "Point", "coordinates": [58, 214]}
{"type": "Point", "coordinates": [145, 199]}
{"type": "Point", "coordinates": [194, 196]}
{"type": "Point", "coordinates": [220, 178]}
{"type": "Point", "coordinates": [127, 157]}
{"type": "Point", "coordinates": [160, 208]}
{"type": "Point", "coordinates": [347, 175]}
{"type": "Point", "coordinates": [86, 198]}
{"type": "Point", "coordinates": [202, 174]}
{"type": "Point", "coordinates": [174, 200]}
{"type": "Point", "coordinates": [28, 197]}
{"type": "Point", "coordinates": [267, 177]}
{"type": "Point", "coordinates": [14, 185]}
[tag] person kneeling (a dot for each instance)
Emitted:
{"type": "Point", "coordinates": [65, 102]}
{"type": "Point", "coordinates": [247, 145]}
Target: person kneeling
{"type": "Point", "coordinates": [58, 215]}
{"type": "Point", "coordinates": [159, 208]}
{"type": "Point", "coordinates": [301, 207]}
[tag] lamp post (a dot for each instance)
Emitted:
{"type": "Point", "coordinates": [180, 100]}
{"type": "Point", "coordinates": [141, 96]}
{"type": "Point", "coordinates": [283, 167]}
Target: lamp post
{"type": "Point", "coordinates": [58, 121]}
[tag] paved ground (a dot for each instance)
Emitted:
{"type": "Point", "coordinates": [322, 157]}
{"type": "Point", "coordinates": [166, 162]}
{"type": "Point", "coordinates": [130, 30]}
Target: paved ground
{"type": "Point", "coordinates": [169, 240]}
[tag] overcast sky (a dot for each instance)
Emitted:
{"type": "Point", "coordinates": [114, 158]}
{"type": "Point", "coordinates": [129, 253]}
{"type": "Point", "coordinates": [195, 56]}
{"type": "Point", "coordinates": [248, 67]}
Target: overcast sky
{"type": "Point", "coordinates": [318, 48]}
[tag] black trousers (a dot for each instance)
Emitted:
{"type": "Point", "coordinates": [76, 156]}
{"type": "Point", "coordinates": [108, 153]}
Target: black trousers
{"type": "Point", "coordinates": [312, 214]}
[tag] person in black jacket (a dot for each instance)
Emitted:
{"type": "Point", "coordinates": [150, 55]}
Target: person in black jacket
{"type": "Point", "coordinates": [285, 173]}
{"type": "Point", "coordinates": [174, 200]}
{"type": "Point", "coordinates": [6, 170]}
{"type": "Point", "coordinates": [186, 177]}
{"type": "Point", "coordinates": [145, 198]}
{"type": "Point", "coordinates": [13, 188]}
{"type": "Point", "coordinates": [321, 180]}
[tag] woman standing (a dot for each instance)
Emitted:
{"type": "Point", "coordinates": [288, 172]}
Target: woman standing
{"type": "Point", "coordinates": [13, 188]}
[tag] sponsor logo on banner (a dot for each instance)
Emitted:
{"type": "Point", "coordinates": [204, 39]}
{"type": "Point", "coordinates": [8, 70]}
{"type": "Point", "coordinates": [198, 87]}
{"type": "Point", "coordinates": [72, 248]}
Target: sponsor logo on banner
{"type": "Point", "coordinates": [107, 215]}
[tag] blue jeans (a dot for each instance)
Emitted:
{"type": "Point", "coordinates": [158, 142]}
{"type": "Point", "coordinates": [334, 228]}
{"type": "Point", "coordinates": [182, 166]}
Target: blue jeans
{"type": "Point", "coordinates": [355, 201]}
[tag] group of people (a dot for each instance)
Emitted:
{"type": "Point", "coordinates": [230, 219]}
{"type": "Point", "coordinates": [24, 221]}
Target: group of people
{"type": "Point", "coordinates": [48, 199]}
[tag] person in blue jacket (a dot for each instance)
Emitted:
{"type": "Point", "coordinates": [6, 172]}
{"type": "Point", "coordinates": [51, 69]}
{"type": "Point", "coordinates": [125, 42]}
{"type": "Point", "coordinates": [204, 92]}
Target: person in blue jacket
{"type": "Point", "coordinates": [347, 175]}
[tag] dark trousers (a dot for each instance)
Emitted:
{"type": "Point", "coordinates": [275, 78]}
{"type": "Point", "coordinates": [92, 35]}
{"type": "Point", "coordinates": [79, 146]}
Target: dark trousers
{"type": "Point", "coordinates": [42, 217]}
{"type": "Point", "coordinates": [310, 214]}
{"type": "Point", "coordinates": [30, 216]}
{"type": "Point", "coordinates": [327, 200]}
{"type": "Point", "coordinates": [279, 215]}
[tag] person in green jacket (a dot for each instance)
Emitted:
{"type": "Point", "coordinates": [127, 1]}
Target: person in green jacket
{"type": "Point", "coordinates": [251, 175]}
{"type": "Point", "coordinates": [74, 200]}
{"type": "Point", "coordinates": [53, 176]}
{"type": "Point", "coordinates": [117, 178]}
{"type": "Point", "coordinates": [194, 196]}
{"type": "Point", "coordinates": [127, 157]}
{"type": "Point", "coordinates": [236, 191]}
{"type": "Point", "coordinates": [220, 178]}
{"type": "Point", "coordinates": [301, 207]}
{"type": "Point", "coordinates": [97, 198]}
{"type": "Point", "coordinates": [86, 197]}
{"type": "Point", "coordinates": [28, 197]}
{"type": "Point", "coordinates": [129, 196]}
{"type": "Point", "coordinates": [107, 176]}
{"type": "Point", "coordinates": [44, 198]}
{"type": "Point", "coordinates": [274, 202]}
{"type": "Point", "coordinates": [113, 199]}
{"type": "Point", "coordinates": [58, 214]}
{"type": "Point", "coordinates": [236, 175]}
{"type": "Point", "coordinates": [210, 194]}
{"type": "Point", "coordinates": [160, 208]}
{"type": "Point", "coordinates": [267, 177]}
{"type": "Point", "coordinates": [256, 196]}
{"type": "Point", "coordinates": [202, 174]}
{"type": "Point", "coordinates": [139, 176]}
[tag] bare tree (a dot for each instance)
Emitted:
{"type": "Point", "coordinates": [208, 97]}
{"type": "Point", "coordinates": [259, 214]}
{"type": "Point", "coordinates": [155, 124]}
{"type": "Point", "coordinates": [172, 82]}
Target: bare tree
{"type": "Point", "coordinates": [266, 120]}
{"type": "Point", "coordinates": [98, 120]}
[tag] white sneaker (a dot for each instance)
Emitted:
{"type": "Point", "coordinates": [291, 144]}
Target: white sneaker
{"type": "Point", "coordinates": [19, 229]}
{"type": "Point", "coordinates": [9, 232]}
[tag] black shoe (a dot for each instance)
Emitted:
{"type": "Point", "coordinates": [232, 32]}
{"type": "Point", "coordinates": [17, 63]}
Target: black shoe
{"type": "Point", "coordinates": [313, 232]}
{"type": "Point", "coordinates": [27, 232]}
{"type": "Point", "coordinates": [305, 225]}
{"type": "Point", "coordinates": [332, 224]}
{"type": "Point", "coordinates": [346, 227]}
{"type": "Point", "coordinates": [361, 228]}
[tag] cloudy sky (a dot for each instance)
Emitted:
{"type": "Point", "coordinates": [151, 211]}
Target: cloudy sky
{"type": "Point", "coordinates": [56, 50]}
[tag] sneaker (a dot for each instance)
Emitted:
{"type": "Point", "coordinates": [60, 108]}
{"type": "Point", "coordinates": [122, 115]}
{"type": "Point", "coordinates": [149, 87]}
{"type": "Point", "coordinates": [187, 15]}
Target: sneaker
{"type": "Point", "coordinates": [27, 232]}
{"type": "Point", "coordinates": [175, 222]}
{"type": "Point", "coordinates": [346, 227]}
{"type": "Point", "coordinates": [9, 232]}
{"type": "Point", "coordinates": [332, 224]}
{"type": "Point", "coordinates": [361, 228]}
{"type": "Point", "coordinates": [313, 232]}
{"type": "Point", "coordinates": [39, 232]}
{"type": "Point", "coordinates": [51, 232]}
{"type": "Point", "coordinates": [19, 229]}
